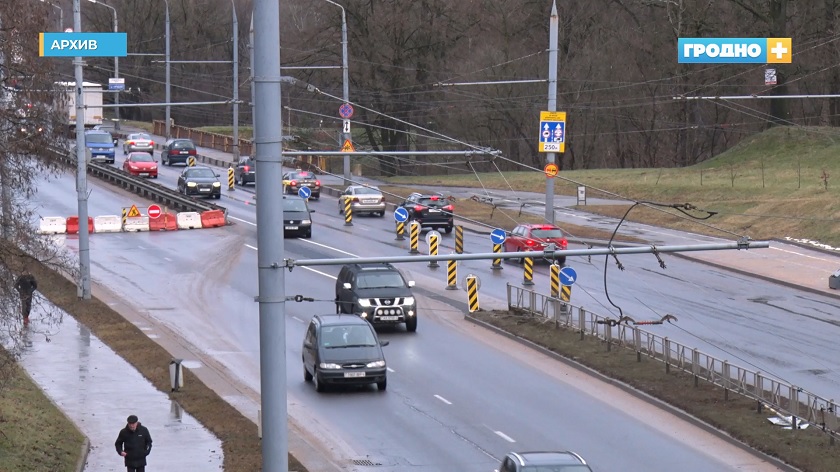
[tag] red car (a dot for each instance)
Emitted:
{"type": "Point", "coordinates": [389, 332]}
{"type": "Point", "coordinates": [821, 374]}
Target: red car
{"type": "Point", "coordinates": [536, 238]}
{"type": "Point", "coordinates": [141, 164]}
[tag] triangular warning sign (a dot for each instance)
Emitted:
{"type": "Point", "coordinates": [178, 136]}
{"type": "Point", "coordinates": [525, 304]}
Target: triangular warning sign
{"type": "Point", "coordinates": [348, 146]}
{"type": "Point", "coordinates": [134, 211]}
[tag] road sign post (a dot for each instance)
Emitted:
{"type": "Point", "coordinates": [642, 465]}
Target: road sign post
{"type": "Point", "coordinates": [154, 211]}
{"type": "Point", "coordinates": [552, 137]}
{"type": "Point", "coordinates": [304, 193]}
{"type": "Point", "coordinates": [498, 237]}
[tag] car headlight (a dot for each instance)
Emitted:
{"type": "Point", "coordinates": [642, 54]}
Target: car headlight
{"type": "Point", "coordinates": [191, 184]}
{"type": "Point", "coordinates": [329, 365]}
{"type": "Point", "coordinates": [306, 222]}
{"type": "Point", "coordinates": [376, 364]}
{"type": "Point", "coordinates": [133, 167]}
{"type": "Point", "coordinates": [364, 302]}
{"type": "Point", "coordinates": [217, 184]}
{"type": "Point", "coordinates": [154, 167]}
{"type": "Point", "coordinates": [409, 300]}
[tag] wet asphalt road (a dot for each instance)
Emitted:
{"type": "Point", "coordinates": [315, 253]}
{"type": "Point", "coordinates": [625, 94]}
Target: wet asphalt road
{"type": "Point", "coordinates": [450, 391]}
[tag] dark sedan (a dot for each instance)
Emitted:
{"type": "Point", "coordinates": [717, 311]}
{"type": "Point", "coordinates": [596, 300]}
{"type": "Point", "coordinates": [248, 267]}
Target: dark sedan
{"type": "Point", "coordinates": [200, 180]}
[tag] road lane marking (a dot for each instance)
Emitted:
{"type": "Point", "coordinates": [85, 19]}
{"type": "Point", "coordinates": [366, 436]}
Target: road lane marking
{"type": "Point", "coordinates": [302, 267]}
{"type": "Point", "coordinates": [297, 319]}
{"type": "Point", "coordinates": [244, 221]}
{"type": "Point", "coordinates": [141, 248]}
{"type": "Point", "coordinates": [328, 247]}
{"type": "Point", "coordinates": [389, 369]}
{"type": "Point", "coordinates": [445, 401]}
{"type": "Point", "coordinates": [504, 436]}
{"type": "Point", "coordinates": [167, 259]}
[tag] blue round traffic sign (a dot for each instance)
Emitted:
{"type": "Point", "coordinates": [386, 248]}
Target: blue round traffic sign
{"type": "Point", "coordinates": [346, 111]}
{"type": "Point", "coordinates": [567, 276]}
{"type": "Point", "coordinates": [304, 192]}
{"type": "Point", "coordinates": [498, 236]}
{"type": "Point", "coordinates": [401, 215]}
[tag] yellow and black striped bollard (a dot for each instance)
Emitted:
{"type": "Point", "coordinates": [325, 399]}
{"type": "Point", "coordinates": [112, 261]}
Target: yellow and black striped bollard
{"type": "Point", "coordinates": [348, 212]}
{"type": "Point", "coordinates": [528, 277]}
{"type": "Point", "coordinates": [124, 216]}
{"type": "Point", "coordinates": [191, 161]}
{"type": "Point", "coordinates": [433, 249]}
{"type": "Point", "coordinates": [497, 263]}
{"type": "Point", "coordinates": [566, 296]}
{"type": "Point", "coordinates": [459, 239]}
{"type": "Point", "coordinates": [414, 237]}
{"type": "Point", "coordinates": [451, 275]}
{"type": "Point", "coordinates": [400, 230]}
{"type": "Point", "coordinates": [231, 184]}
{"type": "Point", "coordinates": [555, 280]}
{"type": "Point", "coordinates": [472, 293]}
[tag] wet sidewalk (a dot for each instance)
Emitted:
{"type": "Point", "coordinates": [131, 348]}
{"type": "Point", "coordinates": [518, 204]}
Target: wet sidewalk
{"type": "Point", "coordinates": [98, 389]}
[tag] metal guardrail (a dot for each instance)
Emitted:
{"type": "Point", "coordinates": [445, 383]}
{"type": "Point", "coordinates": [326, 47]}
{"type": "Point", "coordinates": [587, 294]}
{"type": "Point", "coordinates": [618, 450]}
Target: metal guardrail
{"type": "Point", "coordinates": [151, 190]}
{"type": "Point", "coordinates": [782, 396]}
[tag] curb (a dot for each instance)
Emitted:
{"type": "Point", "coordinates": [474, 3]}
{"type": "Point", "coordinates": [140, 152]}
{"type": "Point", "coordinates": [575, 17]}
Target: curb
{"type": "Point", "coordinates": [83, 456]}
{"type": "Point", "coordinates": [653, 401]}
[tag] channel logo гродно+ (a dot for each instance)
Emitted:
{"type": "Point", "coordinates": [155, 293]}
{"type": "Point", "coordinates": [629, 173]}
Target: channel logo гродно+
{"type": "Point", "coordinates": [735, 50]}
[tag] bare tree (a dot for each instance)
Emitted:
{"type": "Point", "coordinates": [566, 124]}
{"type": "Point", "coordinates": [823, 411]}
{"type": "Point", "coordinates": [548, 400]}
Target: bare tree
{"type": "Point", "coordinates": [32, 120]}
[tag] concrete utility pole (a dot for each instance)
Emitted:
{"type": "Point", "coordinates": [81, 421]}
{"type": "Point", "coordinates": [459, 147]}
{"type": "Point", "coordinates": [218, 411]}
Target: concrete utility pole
{"type": "Point", "coordinates": [168, 83]}
{"type": "Point", "coordinates": [81, 168]}
{"type": "Point", "coordinates": [270, 256]}
{"type": "Point", "coordinates": [345, 86]}
{"type": "Point", "coordinates": [253, 88]}
{"type": "Point", "coordinates": [552, 104]}
{"type": "Point", "coordinates": [235, 84]}
{"type": "Point", "coordinates": [116, 64]}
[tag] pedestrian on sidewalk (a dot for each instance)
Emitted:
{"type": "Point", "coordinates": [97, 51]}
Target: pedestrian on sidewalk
{"type": "Point", "coordinates": [26, 286]}
{"type": "Point", "coordinates": [134, 443]}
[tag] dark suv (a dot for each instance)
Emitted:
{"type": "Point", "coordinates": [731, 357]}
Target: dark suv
{"type": "Point", "coordinates": [377, 293]}
{"type": "Point", "coordinates": [246, 171]}
{"type": "Point", "coordinates": [343, 350]}
{"type": "Point", "coordinates": [177, 151]}
{"type": "Point", "coordinates": [432, 211]}
{"type": "Point", "coordinates": [561, 461]}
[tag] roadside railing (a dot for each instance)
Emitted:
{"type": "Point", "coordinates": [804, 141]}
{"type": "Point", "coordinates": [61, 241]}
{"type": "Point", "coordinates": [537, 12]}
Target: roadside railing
{"type": "Point", "coordinates": [143, 187]}
{"type": "Point", "coordinates": [786, 398]}
{"type": "Point", "coordinates": [219, 142]}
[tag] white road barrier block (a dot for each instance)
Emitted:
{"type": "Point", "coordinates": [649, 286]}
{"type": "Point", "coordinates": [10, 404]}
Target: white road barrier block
{"type": "Point", "coordinates": [189, 220]}
{"type": "Point", "coordinates": [136, 223]}
{"type": "Point", "coordinates": [53, 225]}
{"type": "Point", "coordinates": [107, 224]}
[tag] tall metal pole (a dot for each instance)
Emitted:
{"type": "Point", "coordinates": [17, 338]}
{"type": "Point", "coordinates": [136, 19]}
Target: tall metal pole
{"type": "Point", "coordinates": [81, 168]}
{"type": "Point", "coordinates": [346, 85]}
{"type": "Point", "coordinates": [270, 270]}
{"type": "Point", "coordinates": [253, 87]}
{"type": "Point", "coordinates": [235, 84]}
{"type": "Point", "coordinates": [168, 94]}
{"type": "Point", "coordinates": [552, 104]}
{"type": "Point", "coordinates": [116, 64]}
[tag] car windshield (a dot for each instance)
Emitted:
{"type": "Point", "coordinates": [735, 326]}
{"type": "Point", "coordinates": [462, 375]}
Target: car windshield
{"type": "Point", "coordinates": [293, 205]}
{"type": "Point", "coordinates": [140, 136]}
{"type": "Point", "coordinates": [303, 175]}
{"type": "Point", "coordinates": [367, 191]}
{"type": "Point", "coordinates": [99, 138]}
{"type": "Point", "coordinates": [381, 279]}
{"type": "Point", "coordinates": [201, 173]}
{"type": "Point", "coordinates": [183, 145]}
{"type": "Point", "coordinates": [347, 336]}
{"type": "Point", "coordinates": [437, 202]}
{"type": "Point", "coordinates": [141, 157]}
{"type": "Point", "coordinates": [546, 233]}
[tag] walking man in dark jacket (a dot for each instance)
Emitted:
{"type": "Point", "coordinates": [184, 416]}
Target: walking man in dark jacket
{"type": "Point", "coordinates": [26, 286]}
{"type": "Point", "coordinates": [134, 443]}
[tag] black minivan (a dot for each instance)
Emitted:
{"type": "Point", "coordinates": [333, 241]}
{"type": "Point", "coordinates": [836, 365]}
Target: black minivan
{"type": "Point", "coordinates": [343, 350]}
{"type": "Point", "coordinates": [297, 217]}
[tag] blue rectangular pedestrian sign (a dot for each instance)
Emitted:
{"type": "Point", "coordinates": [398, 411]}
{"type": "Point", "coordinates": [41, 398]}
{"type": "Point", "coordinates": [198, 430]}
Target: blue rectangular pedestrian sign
{"type": "Point", "coordinates": [82, 45]}
{"type": "Point", "coordinates": [552, 131]}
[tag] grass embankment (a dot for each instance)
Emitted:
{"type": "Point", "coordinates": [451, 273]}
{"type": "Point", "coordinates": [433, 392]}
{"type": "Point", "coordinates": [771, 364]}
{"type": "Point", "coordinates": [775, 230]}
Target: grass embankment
{"type": "Point", "coordinates": [240, 443]}
{"type": "Point", "coordinates": [34, 434]}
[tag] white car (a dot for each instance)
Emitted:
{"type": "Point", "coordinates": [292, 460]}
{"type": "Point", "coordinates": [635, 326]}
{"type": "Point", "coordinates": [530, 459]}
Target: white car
{"type": "Point", "coordinates": [138, 142]}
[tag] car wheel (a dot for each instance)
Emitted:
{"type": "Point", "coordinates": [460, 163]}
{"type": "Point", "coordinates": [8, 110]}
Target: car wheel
{"type": "Point", "coordinates": [319, 386]}
{"type": "Point", "coordinates": [381, 214]}
{"type": "Point", "coordinates": [448, 229]}
{"type": "Point", "coordinates": [308, 233]}
{"type": "Point", "coordinates": [411, 324]}
{"type": "Point", "coordinates": [241, 180]}
{"type": "Point", "coordinates": [217, 196]}
{"type": "Point", "coordinates": [521, 259]}
{"type": "Point", "coordinates": [307, 377]}
{"type": "Point", "coordinates": [382, 385]}
{"type": "Point", "coordinates": [561, 260]}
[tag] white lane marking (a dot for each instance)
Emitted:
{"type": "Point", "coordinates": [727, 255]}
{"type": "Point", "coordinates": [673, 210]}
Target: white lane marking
{"type": "Point", "coordinates": [504, 436]}
{"type": "Point", "coordinates": [797, 253]}
{"type": "Point", "coordinates": [389, 369]}
{"type": "Point", "coordinates": [328, 247]}
{"type": "Point", "coordinates": [307, 268]}
{"type": "Point", "coordinates": [141, 248]}
{"type": "Point", "coordinates": [444, 400]}
{"type": "Point", "coordinates": [167, 259]}
{"type": "Point", "coordinates": [244, 221]}
{"type": "Point", "coordinates": [297, 319]}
